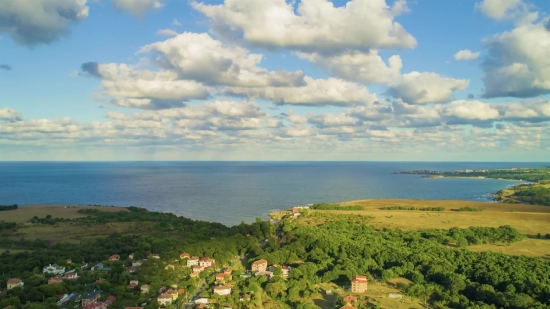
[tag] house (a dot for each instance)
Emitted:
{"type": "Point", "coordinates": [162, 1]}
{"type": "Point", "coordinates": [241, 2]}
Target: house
{"type": "Point", "coordinates": [53, 269]}
{"type": "Point", "coordinates": [192, 261]}
{"type": "Point", "coordinates": [173, 293]}
{"type": "Point", "coordinates": [138, 263]}
{"type": "Point", "coordinates": [348, 307]}
{"type": "Point", "coordinates": [185, 255]}
{"type": "Point", "coordinates": [349, 299]}
{"type": "Point", "coordinates": [55, 280]}
{"type": "Point", "coordinates": [169, 266]}
{"type": "Point", "coordinates": [132, 269]}
{"type": "Point", "coordinates": [359, 284]}
{"type": "Point", "coordinates": [99, 281]}
{"type": "Point", "coordinates": [70, 276]}
{"type": "Point", "coordinates": [284, 269]}
{"type": "Point", "coordinates": [222, 290]}
{"type": "Point", "coordinates": [114, 257]}
{"type": "Point", "coordinates": [97, 266]}
{"type": "Point", "coordinates": [67, 299]}
{"type": "Point", "coordinates": [154, 256]}
{"type": "Point", "coordinates": [91, 297]}
{"type": "Point", "coordinates": [207, 262]}
{"type": "Point", "coordinates": [84, 266]}
{"type": "Point", "coordinates": [95, 305]}
{"type": "Point", "coordinates": [131, 256]}
{"type": "Point", "coordinates": [395, 296]}
{"type": "Point", "coordinates": [136, 282]}
{"type": "Point", "coordinates": [145, 288]}
{"type": "Point", "coordinates": [181, 291]}
{"type": "Point", "coordinates": [111, 299]}
{"type": "Point", "coordinates": [69, 261]}
{"type": "Point", "coordinates": [201, 301]}
{"type": "Point", "coordinates": [259, 266]}
{"type": "Point", "coordinates": [164, 299]}
{"type": "Point", "coordinates": [197, 269]}
{"type": "Point", "coordinates": [220, 277]}
{"type": "Point", "coordinates": [132, 285]}
{"type": "Point", "coordinates": [245, 297]}
{"type": "Point", "coordinates": [15, 283]}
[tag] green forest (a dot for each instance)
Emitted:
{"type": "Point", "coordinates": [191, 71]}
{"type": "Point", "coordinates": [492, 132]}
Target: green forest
{"type": "Point", "coordinates": [437, 262]}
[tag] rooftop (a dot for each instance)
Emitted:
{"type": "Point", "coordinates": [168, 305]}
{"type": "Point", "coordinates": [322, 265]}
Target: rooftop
{"type": "Point", "coordinates": [92, 294]}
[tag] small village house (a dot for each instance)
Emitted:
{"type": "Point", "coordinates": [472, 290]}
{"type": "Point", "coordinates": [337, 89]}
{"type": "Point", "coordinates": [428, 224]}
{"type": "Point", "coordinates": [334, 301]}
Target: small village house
{"type": "Point", "coordinates": [111, 299]}
{"type": "Point", "coordinates": [14, 283]}
{"type": "Point", "coordinates": [114, 257]}
{"type": "Point", "coordinates": [197, 269]}
{"type": "Point", "coordinates": [192, 261]}
{"type": "Point", "coordinates": [95, 305]}
{"type": "Point", "coordinates": [131, 256]}
{"type": "Point", "coordinates": [53, 269]}
{"type": "Point", "coordinates": [349, 299]}
{"type": "Point", "coordinates": [154, 256]}
{"type": "Point", "coordinates": [173, 293]}
{"type": "Point", "coordinates": [91, 297]}
{"type": "Point", "coordinates": [259, 266]}
{"type": "Point", "coordinates": [70, 276]}
{"type": "Point", "coordinates": [359, 284]}
{"type": "Point", "coordinates": [145, 288]}
{"type": "Point", "coordinates": [222, 290]}
{"type": "Point", "coordinates": [164, 299]}
{"type": "Point", "coordinates": [348, 307]}
{"type": "Point", "coordinates": [207, 262]}
{"type": "Point", "coordinates": [185, 255]}
{"type": "Point", "coordinates": [55, 280]}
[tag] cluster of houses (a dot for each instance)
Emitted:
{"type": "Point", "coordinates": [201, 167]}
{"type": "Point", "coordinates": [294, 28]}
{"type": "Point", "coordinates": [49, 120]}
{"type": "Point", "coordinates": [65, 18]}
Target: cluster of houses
{"type": "Point", "coordinates": [358, 285]}
{"type": "Point", "coordinates": [198, 265]}
{"type": "Point", "coordinates": [260, 268]}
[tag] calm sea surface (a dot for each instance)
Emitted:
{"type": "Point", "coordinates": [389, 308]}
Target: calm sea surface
{"type": "Point", "coordinates": [230, 192]}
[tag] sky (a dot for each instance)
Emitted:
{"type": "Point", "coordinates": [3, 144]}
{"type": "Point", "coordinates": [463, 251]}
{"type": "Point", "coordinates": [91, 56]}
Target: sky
{"type": "Point", "coordinates": [320, 80]}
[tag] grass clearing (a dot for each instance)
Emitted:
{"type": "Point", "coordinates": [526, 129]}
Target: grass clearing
{"type": "Point", "coordinates": [527, 219]}
{"type": "Point", "coordinates": [25, 213]}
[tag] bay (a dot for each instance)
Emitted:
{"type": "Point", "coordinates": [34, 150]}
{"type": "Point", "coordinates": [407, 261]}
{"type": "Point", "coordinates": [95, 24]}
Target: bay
{"type": "Point", "coordinates": [231, 192]}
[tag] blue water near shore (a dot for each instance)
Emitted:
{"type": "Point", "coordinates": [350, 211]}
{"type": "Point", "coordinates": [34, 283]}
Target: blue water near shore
{"type": "Point", "coordinates": [231, 192]}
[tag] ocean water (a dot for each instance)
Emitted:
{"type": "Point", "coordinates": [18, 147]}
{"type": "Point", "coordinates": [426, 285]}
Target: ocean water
{"type": "Point", "coordinates": [231, 192]}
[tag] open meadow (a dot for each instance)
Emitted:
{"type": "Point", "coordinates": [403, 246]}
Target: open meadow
{"type": "Point", "coordinates": [527, 219]}
{"type": "Point", "coordinates": [25, 213]}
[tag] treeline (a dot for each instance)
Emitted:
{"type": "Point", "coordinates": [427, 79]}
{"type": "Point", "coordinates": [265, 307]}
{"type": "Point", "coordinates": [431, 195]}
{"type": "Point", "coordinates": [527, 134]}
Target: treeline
{"type": "Point", "coordinates": [414, 208]}
{"type": "Point", "coordinates": [326, 206]}
{"type": "Point", "coordinates": [533, 194]}
{"type": "Point", "coordinates": [471, 209]}
{"type": "Point", "coordinates": [8, 207]}
{"type": "Point", "coordinates": [447, 277]}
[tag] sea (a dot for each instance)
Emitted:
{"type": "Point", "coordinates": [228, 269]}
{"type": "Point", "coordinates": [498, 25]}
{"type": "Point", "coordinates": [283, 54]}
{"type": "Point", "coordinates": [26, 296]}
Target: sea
{"type": "Point", "coordinates": [231, 192]}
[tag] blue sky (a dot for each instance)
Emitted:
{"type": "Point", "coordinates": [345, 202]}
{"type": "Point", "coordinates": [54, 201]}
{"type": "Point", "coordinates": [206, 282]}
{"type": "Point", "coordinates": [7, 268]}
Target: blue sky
{"type": "Point", "coordinates": [301, 102]}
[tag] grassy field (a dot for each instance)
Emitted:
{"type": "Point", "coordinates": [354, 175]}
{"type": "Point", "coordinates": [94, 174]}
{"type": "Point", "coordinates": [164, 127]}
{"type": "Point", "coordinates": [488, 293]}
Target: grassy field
{"type": "Point", "coordinates": [528, 219]}
{"type": "Point", "coordinates": [24, 213]}
{"type": "Point", "coordinates": [377, 292]}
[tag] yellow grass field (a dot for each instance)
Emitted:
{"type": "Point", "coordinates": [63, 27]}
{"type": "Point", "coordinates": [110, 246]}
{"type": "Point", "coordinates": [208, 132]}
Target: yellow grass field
{"type": "Point", "coordinates": [24, 213]}
{"type": "Point", "coordinates": [528, 219]}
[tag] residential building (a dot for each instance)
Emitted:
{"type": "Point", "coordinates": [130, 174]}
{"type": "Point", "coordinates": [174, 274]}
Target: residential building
{"type": "Point", "coordinates": [95, 305]}
{"type": "Point", "coordinates": [154, 256]}
{"type": "Point", "coordinates": [222, 290]}
{"type": "Point", "coordinates": [70, 276]}
{"type": "Point", "coordinates": [69, 261]}
{"type": "Point", "coordinates": [259, 266]}
{"type": "Point", "coordinates": [15, 283]}
{"type": "Point", "coordinates": [131, 256]}
{"type": "Point", "coordinates": [132, 269]}
{"type": "Point", "coordinates": [207, 262]}
{"type": "Point", "coordinates": [99, 281]}
{"type": "Point", "coordinates": [55, 280]}
{"type": "Point", "coordinates": [185, 255]}
{"type": "Point", "coordinates": [348, 307]}
{"type": "Point", "coordinates": [67, 299]}
{"type": "Point", "coordinates": [53, 269]}
{"type": "Point", "coordinates": [220, 277]}
{"type": "Point", "coordinates": [138, 263]}
{"type": "Point", "coordinates": [111, 299]}
{"type": "Point", "coordinates": [349, 299]}
{"type": "Point", "coordinates": [359, 284]}
{"type": "Point", "coordinates": [114, 257]}
{"type": "Point", "coordinates": [145, 288]}
{"type": "Point", "coordinates": [132, 285]}
{"type": "Point", "coordinates": [164, 299]}
{"type": "Point", "coordinates": [173, 293]}
{"type": "Point", "coordinates": [91, 297]}
{"type": "Point", "coordinates": [192, 261]}
{"type": "Point", "coordinates": [197, 269]}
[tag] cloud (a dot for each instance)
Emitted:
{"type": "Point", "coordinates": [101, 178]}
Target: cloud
{"type": "Point", "coordinates": [9, 114]}
{"type": "Point", "coordinates": [317, 26]}
{"type": "Point", "coordinates": [144, 89]}
{"type": "Point", "coordinates": [357, 66]}
{"type": "Point", "coordinates": [176, 22]}
{"type": "Point", "coordinates": [502, 9]}
{"type": "Point", "coordinates": [466, 55]}
{"type": "Point", "coordinates": [5, 67]}
{"type": "Point", "coordinates": [138, 7]}
{"type": "Point", "coordinates": [33, 22]}
{"type": "Point", "coordinates": [424, 88]}
{"type": "Point", "coordinates": [167, 32]}
{"type": "Point", "coordinates": [199, 57]}
{"type": "Point", "coordinates": [316, 92]}
{"type": "Point", "coordinates": [519, 62]}
{"type": "Point", "coordinates": [331, 120]}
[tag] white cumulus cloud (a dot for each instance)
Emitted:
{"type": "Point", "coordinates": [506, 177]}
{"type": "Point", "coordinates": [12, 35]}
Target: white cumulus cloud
{"type": "Point", "coordinates": [424, 88]}
{"type": "Point", "coordinates": [32, 22]}
{"type": "Point", "coordinates": [317, 25]}
{"type": "Point", "coordinates": [138, 7]}
{"type": "Point", "coordinates": [466, 54]}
